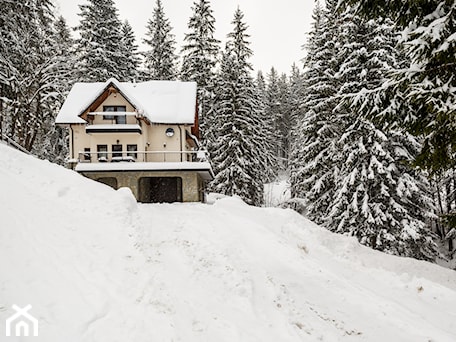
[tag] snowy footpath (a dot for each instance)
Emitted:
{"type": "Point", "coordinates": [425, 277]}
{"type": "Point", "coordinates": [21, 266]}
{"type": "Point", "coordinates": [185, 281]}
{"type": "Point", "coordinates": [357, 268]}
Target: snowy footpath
{"type": "Point", "coordinates": [97, 267]}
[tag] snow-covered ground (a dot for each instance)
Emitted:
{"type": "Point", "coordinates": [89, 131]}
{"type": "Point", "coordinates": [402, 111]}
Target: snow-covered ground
{"type": "Point", "coordinates": [277, 192]}
{"type": "Point", "coordinates": [96, 266]}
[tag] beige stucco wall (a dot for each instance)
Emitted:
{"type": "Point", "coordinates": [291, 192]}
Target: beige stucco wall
{"type": "Point", "coordinates": [114, 99]}
{"type": "Point", "coordinates": [192, 184]}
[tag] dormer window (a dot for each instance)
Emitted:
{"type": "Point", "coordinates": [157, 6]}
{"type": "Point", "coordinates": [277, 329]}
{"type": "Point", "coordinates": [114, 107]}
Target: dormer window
{"type": "Point", "coordinates": [120, 118]}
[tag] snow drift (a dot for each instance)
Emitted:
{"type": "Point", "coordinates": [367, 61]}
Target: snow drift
{"type": "Point", "coordinates": [97, 266]}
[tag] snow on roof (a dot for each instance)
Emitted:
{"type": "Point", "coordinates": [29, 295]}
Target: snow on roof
{"type": "Point", "coordinates": [160, 101]}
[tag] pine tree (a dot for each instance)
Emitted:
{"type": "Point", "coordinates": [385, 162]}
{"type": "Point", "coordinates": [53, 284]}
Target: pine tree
{"type": "Point", "coordinates": [99, 44]}
{"type": "Point", "coordinates": [160, 60]}
{"type": "Point", "coordinates": [237, 136]}
{"type": "Point", "coordinates": [130, 60]}
{"type": "Point", "coordinates": [199, 56]}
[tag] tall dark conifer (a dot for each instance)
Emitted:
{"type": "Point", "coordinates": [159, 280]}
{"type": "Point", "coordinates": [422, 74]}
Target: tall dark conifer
{"type": "Point", "coordinates": [313, 165]}
{"type": "Point", "coordinates": [130, 60]}
{"type": "Point", "coordinates": [52, 143]}
{"type": "Point", "coordinates": [160, 59]}
{"type": "Point", "coordinates": [237, 134]}
{"type": "Point", "coordinates": [353, 173]}
{"type": "Point", "coordinates": [421, 93]}
{"type": "Point", "coordinates": [27, 69]}
{"type": "Point", "coordinates": [199, 56]}
{"type": "Point", "coordinates": [99, 45]}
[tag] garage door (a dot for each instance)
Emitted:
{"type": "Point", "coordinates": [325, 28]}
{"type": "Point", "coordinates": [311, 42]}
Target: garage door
{"type": "Point", "coordinates": [160, 189]}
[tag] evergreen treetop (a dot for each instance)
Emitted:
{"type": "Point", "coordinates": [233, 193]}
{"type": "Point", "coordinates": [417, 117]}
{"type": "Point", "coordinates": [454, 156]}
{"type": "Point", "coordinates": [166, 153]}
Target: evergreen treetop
{"type": "Point", "coordinates": [99, 42]}
{"type": "Point", "coordinates": [160, 59]}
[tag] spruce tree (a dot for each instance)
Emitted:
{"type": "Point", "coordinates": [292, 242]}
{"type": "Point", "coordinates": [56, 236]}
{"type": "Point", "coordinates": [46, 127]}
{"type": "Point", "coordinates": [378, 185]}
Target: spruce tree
{"type": "Point", "coordinates": [424, 89]}
{"type": "Point", "coordinates": [271, 165]}
{"type": "Point", "coordinates": [419, 93]}
{"type": "Point", "coordinates": [295, 101]}
{"type": "Point", "coordinates": [27, 69]}
{"type": "Point", "coordinates": [237, 137]}
{"type": "Point", "coordinates": [261, 86]}
{"type": "Point", "coordinates": [313, 167]}
{"type": "Point", "coordinates": [130, 59]}
{"type": "Point", "coordinates": [273, 115]}
{"type": "Point", "coordinates": [52, 143]}
{"type": "Point", "coordinates": [99, 45]}
{"type": "Point", "coordinates": [199, 56]}
{"type": "Point", "coordinates": [283, 126]}
{"type": "Point", "coordinates": [355, 175]}
{"type": "Point", "coordinates": [160, 59]}
{"type": "Point", "coordinates": [200, 49]}
{"type": "Point", "coordinates": [379, 197]}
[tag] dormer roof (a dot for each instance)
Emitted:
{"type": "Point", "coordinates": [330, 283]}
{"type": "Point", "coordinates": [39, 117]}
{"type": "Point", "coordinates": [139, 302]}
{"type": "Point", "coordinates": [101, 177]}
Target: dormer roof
{"type": "Point", "coordinates": [167, 102]}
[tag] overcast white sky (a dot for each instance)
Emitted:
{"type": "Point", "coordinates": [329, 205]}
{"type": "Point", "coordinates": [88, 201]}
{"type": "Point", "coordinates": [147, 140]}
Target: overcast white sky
{"type": "Point", "coordinates": [277, 27]}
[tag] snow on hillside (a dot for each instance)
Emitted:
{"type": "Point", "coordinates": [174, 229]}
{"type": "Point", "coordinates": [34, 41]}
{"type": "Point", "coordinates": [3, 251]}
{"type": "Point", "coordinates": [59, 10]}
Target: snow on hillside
{"type": "Point", "coordinates": [96, 266]}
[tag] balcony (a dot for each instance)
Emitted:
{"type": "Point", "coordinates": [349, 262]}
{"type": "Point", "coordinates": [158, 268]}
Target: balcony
{"type": "Point", "coordinates": [113, 122]}
{"type": "Point", "coordinates": [142, 156]}
{"type": "Point", "coordinates": [114, 128]}
{"type": "Point", "coordinates": [124, 161]}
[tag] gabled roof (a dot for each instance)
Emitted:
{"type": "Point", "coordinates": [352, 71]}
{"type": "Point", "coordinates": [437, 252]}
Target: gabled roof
{"type": "Point", "coordinates": [159, 101]}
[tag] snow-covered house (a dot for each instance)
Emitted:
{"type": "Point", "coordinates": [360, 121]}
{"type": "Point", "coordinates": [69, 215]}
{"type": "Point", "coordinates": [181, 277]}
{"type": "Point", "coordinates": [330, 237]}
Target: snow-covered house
{"type": "Point", "coordinates": [138, 135]}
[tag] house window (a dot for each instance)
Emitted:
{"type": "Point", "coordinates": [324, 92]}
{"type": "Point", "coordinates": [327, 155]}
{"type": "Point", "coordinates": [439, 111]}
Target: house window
{"type": "Point", "coordinates": [131, 151]}
{"type": "Point", "coordinates": [117, 150]}
{"type": "Point", "coordinates": [87, 153]}
{"type": "Point", "coordinates": [120, 119]}
{"type": "Point", "coordinates": [102, 152]}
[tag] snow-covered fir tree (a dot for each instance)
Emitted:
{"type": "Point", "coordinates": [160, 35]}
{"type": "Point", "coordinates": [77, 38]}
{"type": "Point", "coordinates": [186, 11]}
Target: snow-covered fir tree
{"type": "Point", "coordinates": [421, 94]}
{"type": "Point", "coordinates": [28, 69]}
{"type": "Point", "coordinates": [283, 126]}
{"type": "Point", "coordinates": [273, 111]}
{"type": "Point", "coordinates": [199, 56]}
{"type": "Point", "coordinates": [277, 116]}
{"type": "Point", "coordinates": [53, 144]}
{"type": "Point", "coordinates": [160, 59]}
{"type": "Point", "coordinates": [130, 61]}
{"type": "Point", "coordinates": [261, 86]}
{"type": "Point", "coordinates": [272, 166]}
{"type": "Point", "coordinates": [313, 169]}
{"type": "Point", "coordinates": [99, 45]}
{"type": "Point", "coordinates": [426, 87]}
{"type": "Point", "coordinates": [379, 198]}
{"type": "Point", "coordinates": [200, 49]}
{"type": "Point", "coordinates": [295, 101]}
{"type": "Point", "coordinates": [374, 195]}
{"type": "Point", "coordinates": [237, 137]}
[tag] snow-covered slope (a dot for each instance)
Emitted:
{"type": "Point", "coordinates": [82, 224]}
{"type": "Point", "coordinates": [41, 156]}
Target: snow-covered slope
{"type": "Point", "coordinates": [96, 266]}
